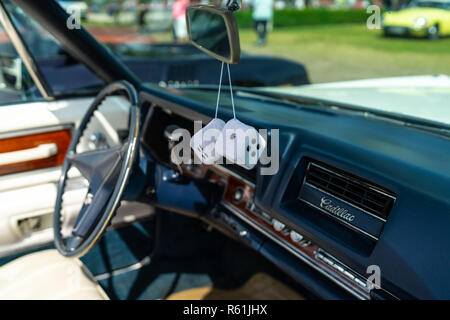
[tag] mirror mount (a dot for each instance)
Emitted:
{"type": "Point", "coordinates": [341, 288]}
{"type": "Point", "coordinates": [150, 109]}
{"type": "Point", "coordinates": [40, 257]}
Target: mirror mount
{"type": "Point", "coordinates": [233, 5]}
{"type": "Point", "coordinates": [214, 30]}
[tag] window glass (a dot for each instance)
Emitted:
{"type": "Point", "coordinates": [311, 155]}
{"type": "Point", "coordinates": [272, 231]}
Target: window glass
{"type": "Point", "coordinates": [16, 84]}
{"type": "Point", "coordinates": [64, 74]}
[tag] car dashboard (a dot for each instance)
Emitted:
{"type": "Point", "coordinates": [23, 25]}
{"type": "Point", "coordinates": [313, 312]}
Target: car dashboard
{"type": "Point", "coordinates": [352, 197]}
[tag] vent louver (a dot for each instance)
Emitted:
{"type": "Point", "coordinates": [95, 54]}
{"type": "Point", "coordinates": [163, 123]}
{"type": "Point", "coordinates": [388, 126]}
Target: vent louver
{"type": "Point", "coordinates": [352, 189]}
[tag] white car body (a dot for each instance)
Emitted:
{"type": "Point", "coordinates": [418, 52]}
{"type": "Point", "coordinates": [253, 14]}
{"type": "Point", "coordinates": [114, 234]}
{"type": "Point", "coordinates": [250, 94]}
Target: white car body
{"type": "Point", "coordinates": [422, 97]}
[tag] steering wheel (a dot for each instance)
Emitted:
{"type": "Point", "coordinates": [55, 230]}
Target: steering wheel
{"type": "Point", "coordinates": [106, 170]}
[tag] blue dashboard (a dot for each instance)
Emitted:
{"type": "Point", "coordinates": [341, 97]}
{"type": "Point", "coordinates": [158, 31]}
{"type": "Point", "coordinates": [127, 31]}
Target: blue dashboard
{"type": "Point", "coordinates": [387, 190]}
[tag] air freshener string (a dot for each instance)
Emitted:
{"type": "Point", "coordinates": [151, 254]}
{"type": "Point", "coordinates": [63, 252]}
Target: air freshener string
{"type": "Point", "coordinates": [231, 90]}
{"type": "Point", "coordinates": [218, 94]}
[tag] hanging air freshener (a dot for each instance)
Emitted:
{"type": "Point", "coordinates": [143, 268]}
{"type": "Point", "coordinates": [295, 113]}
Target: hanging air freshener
{"type": "Point", "coordinates": [239, 143]}
{"type": "Point", "coordinates": [235, 141]}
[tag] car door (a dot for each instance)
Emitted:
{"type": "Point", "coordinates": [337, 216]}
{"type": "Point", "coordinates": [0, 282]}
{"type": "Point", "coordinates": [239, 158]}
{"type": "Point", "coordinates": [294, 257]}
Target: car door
{"type": "Point", "coordinates": [44, 93]}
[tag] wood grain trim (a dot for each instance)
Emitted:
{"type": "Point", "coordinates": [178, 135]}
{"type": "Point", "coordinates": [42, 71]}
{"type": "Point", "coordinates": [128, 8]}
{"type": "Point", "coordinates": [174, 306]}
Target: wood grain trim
{"type": "Point", "coordinates": [231, 183]}
{"type": "Point", "coordinates": [60, 137]}
{"type": "Point", "coordinates": [309, 250]}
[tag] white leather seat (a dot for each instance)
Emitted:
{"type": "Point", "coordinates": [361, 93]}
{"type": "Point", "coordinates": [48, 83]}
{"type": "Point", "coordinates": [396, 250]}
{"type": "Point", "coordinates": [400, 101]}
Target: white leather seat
{"type": "Point", "coordinates": [47, 275]}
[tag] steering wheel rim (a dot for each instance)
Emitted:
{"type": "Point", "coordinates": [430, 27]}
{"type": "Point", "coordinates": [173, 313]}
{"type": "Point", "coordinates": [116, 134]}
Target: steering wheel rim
{"type": "Point", "coordinates": [119, 169]}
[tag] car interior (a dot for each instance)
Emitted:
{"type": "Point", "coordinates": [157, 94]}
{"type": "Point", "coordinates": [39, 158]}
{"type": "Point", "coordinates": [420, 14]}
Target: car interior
{"type": "Point", "coordinates": [98, 207]}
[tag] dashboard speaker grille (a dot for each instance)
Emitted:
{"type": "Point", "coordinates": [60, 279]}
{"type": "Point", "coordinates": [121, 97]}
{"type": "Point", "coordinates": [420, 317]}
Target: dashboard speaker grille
{"type": "Point", "coordinates": [354, 190]}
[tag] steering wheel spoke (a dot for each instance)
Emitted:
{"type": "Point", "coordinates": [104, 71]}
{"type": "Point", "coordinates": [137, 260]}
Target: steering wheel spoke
{"type": "Point", "coordinates": [96, 165]}
{"type": "Point", "coordinates": [100, 190]}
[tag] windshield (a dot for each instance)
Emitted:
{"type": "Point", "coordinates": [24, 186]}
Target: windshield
{"type": "Point", "coordinates": [54, 62]}
{"type": "Point", "coordinates": [371, 54]}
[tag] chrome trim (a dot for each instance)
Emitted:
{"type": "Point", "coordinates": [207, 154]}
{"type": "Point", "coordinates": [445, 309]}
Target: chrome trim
{"type": "Point", "coordinates": [346, 269]}
{"type": "Point", "coordinates": [22, 50]}
{"type": "Point", "coordinates": [339, 220]}
{"type": "Point", "coordinates": [136, 266]}
{"type": "Point", "coordinates": [350, 204]}
{"type": "Point", "coordinates": [294, 251]}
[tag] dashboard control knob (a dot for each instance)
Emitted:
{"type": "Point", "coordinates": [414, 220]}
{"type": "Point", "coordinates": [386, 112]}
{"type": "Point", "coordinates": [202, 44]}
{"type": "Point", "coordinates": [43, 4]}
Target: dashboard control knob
{"type": "Point", "coordinates": [296, 237]}
{"type": "Point", "coordinates": [238, 195]}
{"type": "Point", "coordinates": [277, 225]}
{"type": "Point", "coordinates": [243, 233]}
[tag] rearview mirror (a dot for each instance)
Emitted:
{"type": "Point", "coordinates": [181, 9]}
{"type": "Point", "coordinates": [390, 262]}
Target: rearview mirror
{"type": "Point", "coordinates": [214, 31]}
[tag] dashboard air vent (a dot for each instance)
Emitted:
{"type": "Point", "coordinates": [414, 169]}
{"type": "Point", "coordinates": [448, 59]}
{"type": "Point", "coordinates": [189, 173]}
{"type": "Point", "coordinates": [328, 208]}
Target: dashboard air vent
{"type": "Point", "coordinates": [347, 187]}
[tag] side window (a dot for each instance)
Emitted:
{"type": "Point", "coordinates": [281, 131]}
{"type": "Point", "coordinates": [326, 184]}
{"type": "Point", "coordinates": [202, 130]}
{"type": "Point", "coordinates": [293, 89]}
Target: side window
{"type": "Point", "coordinates": [16, 84]}
{"type": "Point", "coordinates": [63, 73]}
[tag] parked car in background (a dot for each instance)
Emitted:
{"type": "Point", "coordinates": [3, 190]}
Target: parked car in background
{"type": "Point", "coordinates": [156, 64]}
{"type": "Point", "coordinates": [170, 64]}
{"type": "Point", "coordinates": [165, 64]}
{"type": "Point", "coordinates": [422, 18]}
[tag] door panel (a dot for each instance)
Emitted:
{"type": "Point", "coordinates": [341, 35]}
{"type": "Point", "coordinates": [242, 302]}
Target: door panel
{"type": "Point", "coordinates": [34, 138]}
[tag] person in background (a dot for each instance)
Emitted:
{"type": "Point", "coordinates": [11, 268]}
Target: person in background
{"type": "Point", "coordinates": [114, 10]}
{"type": "Point", "coordinates": [179, 19]}
{"type": "Point", "coordinates": [262, 14]}
{"type": "Point", "coordinates": [143, 9]}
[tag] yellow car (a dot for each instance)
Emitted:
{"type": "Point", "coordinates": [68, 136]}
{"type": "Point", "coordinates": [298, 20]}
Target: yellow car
{"type": "Point", "coordinates": [422, 18]}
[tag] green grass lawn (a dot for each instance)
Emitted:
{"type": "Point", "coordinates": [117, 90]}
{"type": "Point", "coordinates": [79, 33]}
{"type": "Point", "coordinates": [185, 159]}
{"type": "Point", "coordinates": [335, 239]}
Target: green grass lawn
{"type": "Point", "coordinates": [349, 52]}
